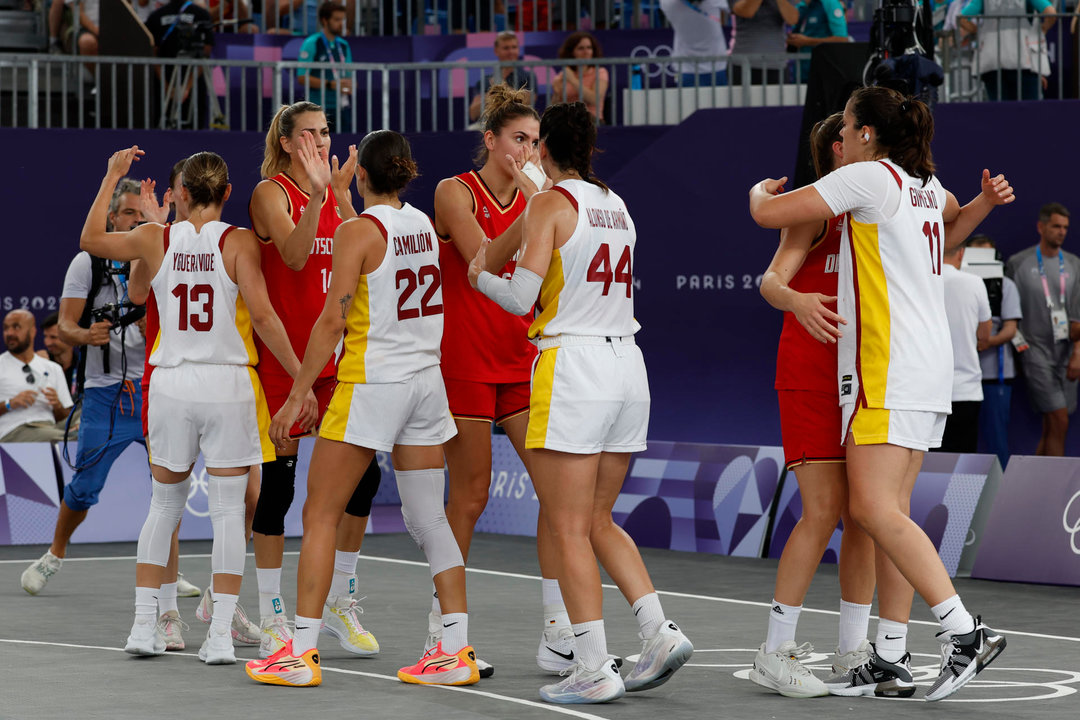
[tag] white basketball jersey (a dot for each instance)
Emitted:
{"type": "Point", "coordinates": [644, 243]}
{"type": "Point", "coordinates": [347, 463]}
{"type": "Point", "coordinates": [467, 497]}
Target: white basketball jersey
{"type": "Point", "coordinates": [896, 352]}
{"type": "Point", "coordinates": [394, 327]}
{"type": "Point", "coordinates": [201, 316]}
{"type": "Point", "coordinates": [589, 286]}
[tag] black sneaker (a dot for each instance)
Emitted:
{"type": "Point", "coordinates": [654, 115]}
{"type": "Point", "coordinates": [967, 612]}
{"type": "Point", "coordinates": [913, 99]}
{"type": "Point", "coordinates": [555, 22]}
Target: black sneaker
{"type": "Point", "coordinates": [876, 677]}
{"type": "Point", "coordinates": [963, 657]}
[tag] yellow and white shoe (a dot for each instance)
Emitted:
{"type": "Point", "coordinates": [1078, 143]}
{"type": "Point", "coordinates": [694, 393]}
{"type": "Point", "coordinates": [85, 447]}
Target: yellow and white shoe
{"type": "Point", "coordinates": [341, 618]}
{"type": "Point", "coordinates": [275, 633]}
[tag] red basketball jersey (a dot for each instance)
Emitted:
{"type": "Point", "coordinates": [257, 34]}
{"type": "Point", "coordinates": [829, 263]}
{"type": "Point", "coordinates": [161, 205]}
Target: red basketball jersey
{"type": "Point", "coordinates": [803, 363]}
{"type": "Point", "coordinates": [481, 341]}
{"type": "Point", "coordinates": [298, 296]}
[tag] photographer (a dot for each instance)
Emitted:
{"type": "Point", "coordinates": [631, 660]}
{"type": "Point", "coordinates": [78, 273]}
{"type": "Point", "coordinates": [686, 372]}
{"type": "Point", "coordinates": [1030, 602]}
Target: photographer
{"type": "Point", "coordinates": [94, 312]}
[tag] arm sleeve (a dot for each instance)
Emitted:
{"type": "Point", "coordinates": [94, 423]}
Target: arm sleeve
{"type": "Point", "coordinates": [865, 188]}
{"type": "Point", "coordinates": [975, 7]}
{"type": "Point", "coordinates": [1010, 301]}
{"type": "Point", "coordinates": [515, 295]}
{"type": "Point", "coordinates": [983, 299]}
{"type": "Point", "coordinates": [78, 277]}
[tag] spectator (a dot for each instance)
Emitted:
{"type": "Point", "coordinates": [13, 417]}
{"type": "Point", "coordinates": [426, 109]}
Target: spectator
{"type": "Point", "coordinates": [1048, 279]}
{"type": "Point", "coordinates": [998, 365]}
{"type": "Point", "coordinates": [56, 349]}
{"type": "Point", "coordinates": [760, 29]}
{"type": "Point", "coordinates": [820, 21]}
{"type": "Point", "coordinates": [506, 50]}
{"type": "Point", "coordinates": [332, 89]}
{"type": "Point", "coordinates": [698, 26]}
{"type": "Point", "coordinates": [89, 19]}
{"type": "Point", "coordinates": [1009, 46]}
{"type": "Point", "coordinates": [35, 397]}
{"type": "Point", "coordinates": [967, 307]}
{"type": "Point", "coordinates": [588, 83]}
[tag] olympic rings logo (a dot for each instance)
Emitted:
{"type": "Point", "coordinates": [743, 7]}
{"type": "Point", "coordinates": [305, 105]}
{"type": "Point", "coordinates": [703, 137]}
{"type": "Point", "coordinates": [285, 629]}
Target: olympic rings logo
{"type": "Point", "coordinates": [655, 65]}
{"type": "Point", "coordinates": [1074, 527]}
{"type": "Point", "coordinates": [198, 486]}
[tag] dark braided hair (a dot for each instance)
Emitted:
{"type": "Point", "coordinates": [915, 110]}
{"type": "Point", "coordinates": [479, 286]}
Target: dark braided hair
{"type": "Point", "coordinates": [387, 158]}
{"type": "Point", "coordinates": [568, 130]}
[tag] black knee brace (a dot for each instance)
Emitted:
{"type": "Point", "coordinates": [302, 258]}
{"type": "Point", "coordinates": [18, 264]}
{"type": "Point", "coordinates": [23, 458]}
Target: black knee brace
{"type": "Point", "coordinates": [275, 496]}
{"type": "Point", "coordinates": [360, 502]}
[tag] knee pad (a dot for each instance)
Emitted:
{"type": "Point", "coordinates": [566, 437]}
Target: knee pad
{"type": "Point", "coordinates": [425, 517]}
{"type": "Point", "coordinates": [360, 502]}
{"type": "Point", "coordinates": [226, 502]}
{"type": "Point", "coordinates": [275, 496]}
{"type": "Point", "coordinates": [167, 504]}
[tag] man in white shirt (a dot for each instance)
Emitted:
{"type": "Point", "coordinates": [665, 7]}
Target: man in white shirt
{"type": "Point", "coordinates": [698, 27]}
{"type": "Point", "coordinates": [967, 307]}
{"type": "Point", "coordinates": [33, 389]}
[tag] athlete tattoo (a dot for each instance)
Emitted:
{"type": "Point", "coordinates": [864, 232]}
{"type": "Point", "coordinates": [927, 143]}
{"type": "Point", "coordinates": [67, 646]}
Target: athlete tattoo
{"type": "Point", "coordinates": [345, 301]}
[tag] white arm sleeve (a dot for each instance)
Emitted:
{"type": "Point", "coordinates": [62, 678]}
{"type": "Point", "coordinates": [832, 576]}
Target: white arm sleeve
{"type": "Point", "coordinates": [515, 295]}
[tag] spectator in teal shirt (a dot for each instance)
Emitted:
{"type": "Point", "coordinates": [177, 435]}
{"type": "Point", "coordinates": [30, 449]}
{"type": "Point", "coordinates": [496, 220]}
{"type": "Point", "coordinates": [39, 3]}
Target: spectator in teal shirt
{"type": "Point", "coordinates": [330, 88]}
{"type": "Point", "coordinates": [820, 21]}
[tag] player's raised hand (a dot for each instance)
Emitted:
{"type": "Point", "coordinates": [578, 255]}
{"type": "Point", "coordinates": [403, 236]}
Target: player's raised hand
{"type": "Point", "coordinates": [121, 160]}
{"type": "Point", "coordinates": [341, 177]}
{"type": "Point", "coordinates": [315, 164]}
{"type": "Point", "coordinates": [997, 189]}
{"type": "Point", "coordinates": [149, 204]}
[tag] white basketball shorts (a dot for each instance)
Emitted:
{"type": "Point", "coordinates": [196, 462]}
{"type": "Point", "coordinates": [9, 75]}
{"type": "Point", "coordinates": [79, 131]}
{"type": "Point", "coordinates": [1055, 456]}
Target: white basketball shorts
{"type": "Point", "coordinates": [219, 410]}
{"type": "Point", "coordinates": [589, 395]}
{"type": "Point", "coordinates": [381, 415]}
{"type": "Point", "coordinates": [913, 429]}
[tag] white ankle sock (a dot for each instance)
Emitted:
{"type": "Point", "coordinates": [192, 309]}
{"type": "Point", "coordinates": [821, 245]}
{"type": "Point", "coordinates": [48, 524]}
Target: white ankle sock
{"type": "Point", "coordinates": [270, 601]}
{"type": "Point", "coordinates": [854, 625]}
{"type": "Point", "coordinates": [307, 634]}
{"type": "Point", "coordinates": [953, 616]}
{"type": "Point", "coordinates": [891, 643]}
{"type": "Point", "coordinates": [649, 614]}
{"type": "Point", "coordinates": [550, 591]}
{"type": "Point", "coordinates": [167, 598]}
{"type": "Point", "coordinates": [224, 607]}
{"type": "Point", "coordinates": [146, 602]}
{"type": "Point", "coordinates": [783, 620]}
{"type": "Point", "coordinates": [455, 634]}
{"type": "Point", "coordinates": [591, 640]}
{"type": "Point", "coordinates": [344, 569]}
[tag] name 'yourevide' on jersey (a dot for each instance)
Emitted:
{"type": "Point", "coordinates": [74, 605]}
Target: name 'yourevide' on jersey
{"type": "Point", "coordinates": [589, 286]}
{"type": "Point", "coordinates": [200, 315]}
{"type": "Point", "coordinates": [394, 326]}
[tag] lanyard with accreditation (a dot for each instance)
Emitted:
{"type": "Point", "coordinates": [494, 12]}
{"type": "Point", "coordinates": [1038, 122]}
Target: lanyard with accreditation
{"type": "Point", "coordinates": [333, 59]}
{"type": "Point", "coordinates": [1059, 319]}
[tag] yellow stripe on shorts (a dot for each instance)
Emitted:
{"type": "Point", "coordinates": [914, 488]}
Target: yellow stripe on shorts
{"type": "Point", "coordinates": [870, 426]}
{"type": "Point", "coordinates": [543, 385]}
{"type": "Point", "coordinates": [262, 412]}
{"type": "Point", "coordinates": [336, 419]}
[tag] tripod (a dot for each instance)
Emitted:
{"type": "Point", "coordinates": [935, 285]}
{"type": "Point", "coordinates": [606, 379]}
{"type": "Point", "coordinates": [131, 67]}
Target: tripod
{"type": "Point", "coordinates": [181, 82]}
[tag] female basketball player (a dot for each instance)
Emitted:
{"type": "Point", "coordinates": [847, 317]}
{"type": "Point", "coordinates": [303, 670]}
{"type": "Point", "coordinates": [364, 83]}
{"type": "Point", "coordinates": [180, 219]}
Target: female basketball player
{"type": "Point", "coordinates": [207, 295]}
{"type": "Point", "coordinates": [295, 211]}
{"type": "Point", "coordinates": [589, 407]}
{"type": "Point", "coordinates": [385, 295]}
{"type": "Point", "coordinates": [895, 370]}
{"type": "Point", "coordinates": [486, 354]}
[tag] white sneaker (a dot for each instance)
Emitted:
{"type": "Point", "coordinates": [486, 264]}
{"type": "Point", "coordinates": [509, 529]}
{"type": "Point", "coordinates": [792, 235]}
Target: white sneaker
{"type": "Point", "coordinates": [781, 671]}
{"type": "Point", "coordinates": [244, 631]}
{"type": "Point", "coordinates": [217, 649]}
{"type": "Point", "coordinates": [186, 589]}
{"type": "Point", "coordinates": [434, 637]}
{"type": "Point", "coordinates": [35, 576]}
{"type": "Point", "coordinates": [557, 649]}
{"type": "Point", "coordinates": [341, 619]}
{"type": "Point", "coordinates": [845, 663]}
{"type": "Point", "coordinates": [145, 639]}
{"type": "Point", "coordinates": [170, 626]}
{"type": "Point", "coordinates": [663, 654]}
{"type": "Point", "coordinates": [586, 686]}
{"type": "Point", "coordinates": [275, 633]}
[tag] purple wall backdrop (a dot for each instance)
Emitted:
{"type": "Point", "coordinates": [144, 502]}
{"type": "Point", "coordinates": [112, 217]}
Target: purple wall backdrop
{"type": "Point", "coordinates": [708, 336]}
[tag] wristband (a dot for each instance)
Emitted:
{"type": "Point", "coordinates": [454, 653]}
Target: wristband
{"type": "Point", "coordinates": [7, 405]}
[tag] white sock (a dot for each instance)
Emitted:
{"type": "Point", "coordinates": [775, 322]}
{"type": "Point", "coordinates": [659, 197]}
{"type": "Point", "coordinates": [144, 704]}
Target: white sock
{"type": "Point", "coordinates": [146, 602]}
{"type": "Point", "coordinates": [783, 619]}
{"type": "Point", "coordinates": [342, 584]}
{"type": "Point", "coordinates": [455, 634]}
{"type": "Point", "coordinates": [649, 614]}
{"type": "Point", "coordinates": [891, 644]}
{"type": "Point", "coordinates": [591, 640]}
{"type": "Point", "coordinates": [307, 633]}
{"type": "Point", "coordinates": [953, 616]}
{"type": "Point", "coordinates": [167, 598]}
{"type": "Point", "coordinates": [551, 593]}
{"type": "Point", "coordinates": [854, 625]}
{"type": "Point", "coordinates": [270, 601]}
{"type": "Point", "coordinates": [224, 607]}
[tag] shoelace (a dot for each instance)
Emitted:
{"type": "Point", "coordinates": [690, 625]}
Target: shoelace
{"type": "Point", "coordinates": [174, 621]}
{"type": "Point", "coordinates": [47, 568]}
{"type": "Point", "coordinates": [801, 651]}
